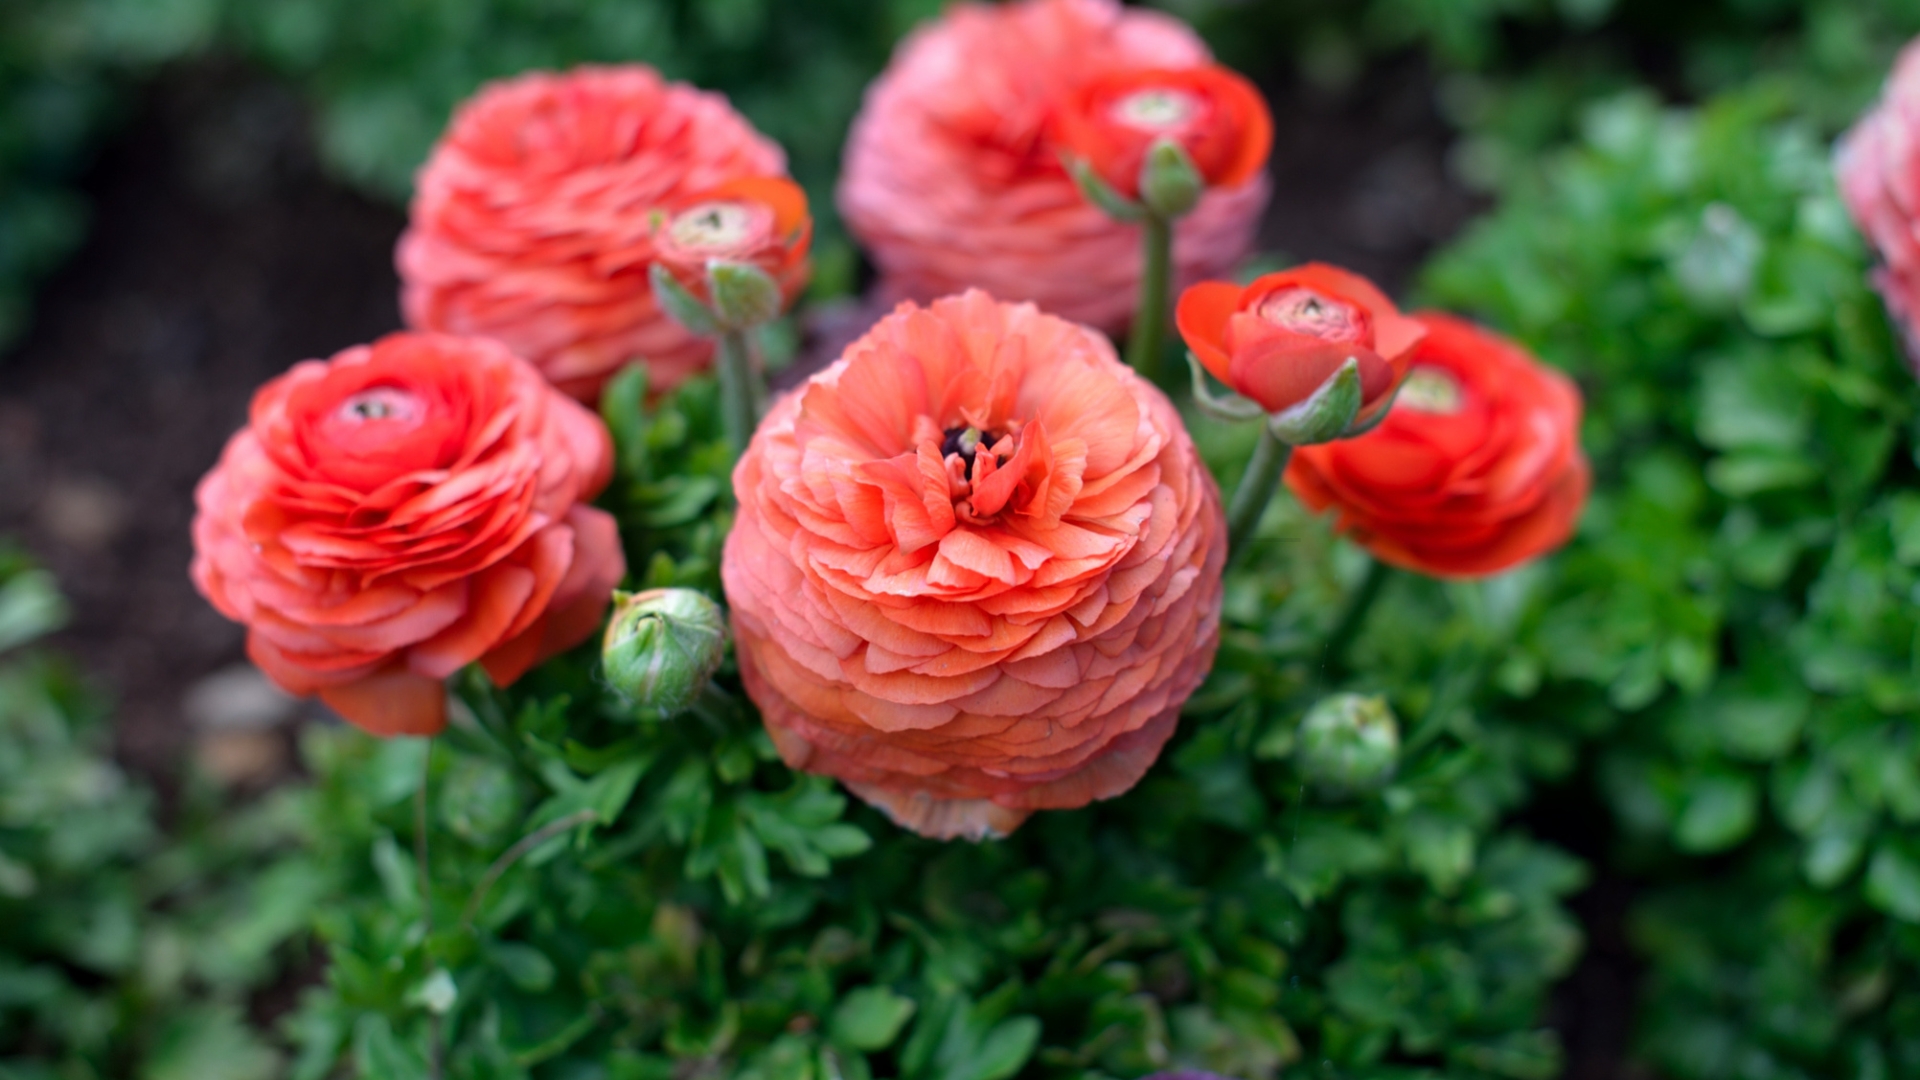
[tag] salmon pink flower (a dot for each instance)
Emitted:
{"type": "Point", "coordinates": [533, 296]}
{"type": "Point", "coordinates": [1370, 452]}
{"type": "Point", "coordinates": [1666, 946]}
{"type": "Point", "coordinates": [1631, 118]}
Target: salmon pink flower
{"type": "Point", "coordinates": [1476, 469]}
{"type": "Point", "coordinates": [1281, 338]}
{"type": "Point", "coordinates": [401, 510]}
{"type": "Point", "coordinates": [976, 570]}
{"type": "Point", "coordinates": [950, 179]}
{"type": "Point", "coordinates": [1213, 115]}
{"type": "Point", "coordinates": [1877, 164]}
{"type": "Point", "coordinates": [538, 216]}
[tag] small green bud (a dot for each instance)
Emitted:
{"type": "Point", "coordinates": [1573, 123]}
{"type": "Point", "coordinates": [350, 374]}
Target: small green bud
{"type": "Point", "coordinates": [1349, 743]}
{"type": "Point", "coordinates": [1170, 186]}
{"type": "Point", "coordinates": [662, 646]}
{"type": "Point", "coordinates": [744, 296]}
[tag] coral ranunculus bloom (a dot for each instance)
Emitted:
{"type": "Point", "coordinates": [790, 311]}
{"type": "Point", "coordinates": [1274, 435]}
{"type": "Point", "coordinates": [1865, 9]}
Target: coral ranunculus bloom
{"type": "Point", "coordinates": [401, 510]}
{"type": "Point", "coordinates": [1277, 340]}
{"type": "Point", "coordinates": [1213, 114]}
{"type": "Point", "coordinates": [950, 180]}
{"type": "Point", "coordinates": [1476, 469]}
{"type": "Point", "coordinates": [535, 220]}
{"type": "Point", "coordinates": [1877, 164]}
{"type": "Point", "coordinates": [761, 221]}
{"type": "Point", "coordinates": [976, 570]}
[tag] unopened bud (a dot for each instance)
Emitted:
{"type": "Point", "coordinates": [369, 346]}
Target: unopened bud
{"type": "Point", "coordinates": [1170, 185]}
{"type": "Point", "coordinates": [744, 296]}
{"type": "Point", "coordinates": [662, 646]}
{"type": "Point", "coordinates": [1349, 743]}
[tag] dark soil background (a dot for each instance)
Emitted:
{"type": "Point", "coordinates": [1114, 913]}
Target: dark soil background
{"type": "Point", "coordinates": [220, 254]}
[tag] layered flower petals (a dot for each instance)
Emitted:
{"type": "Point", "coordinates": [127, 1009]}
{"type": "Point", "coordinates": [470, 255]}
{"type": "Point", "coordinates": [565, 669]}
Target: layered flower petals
{"type": "Point", "coordinates": [1476, 469]}
{"type": "Point", "coordinates": [400, 511]}
{"type": "Point", "coordinates": [1278, 339]}
{"type": "Point", "coordinates": [537, 217]}
{"type": "Point", "coordinates": [1877, 164]}
{"type": "Point", "coordinates": [1211, 113]}
{"type": "Point", "coordinates": [951, 180]}
{"type": "Point", "coordinates": [976, 570]}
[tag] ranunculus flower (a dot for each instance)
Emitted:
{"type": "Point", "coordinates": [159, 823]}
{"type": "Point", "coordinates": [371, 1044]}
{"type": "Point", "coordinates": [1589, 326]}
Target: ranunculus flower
{"type": "Point", "coordinates": [950, 181]}
{"type": "Point", "coordinates": [976, 570]}
{"type": "Point", "coordinates": [1878, 166]}
{"type": "Point", "coordinates": [760, 221]}
{"type": "Point", "coordinates": [535, 219]}
{"type": "Point", "coordinates": [1476, 469]}
{"type": "Point", "coordinates": [1277, 340]}
{"type": "Point", "coordinates": [401, 510]}
{"type": "Point", "coordinates": [1213, 114]}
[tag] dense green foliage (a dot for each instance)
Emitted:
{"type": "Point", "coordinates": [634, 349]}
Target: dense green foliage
{"type": "Point", "coordinates": [1736, 626]}
{"type": "Point", "coordinates": [123, 951]}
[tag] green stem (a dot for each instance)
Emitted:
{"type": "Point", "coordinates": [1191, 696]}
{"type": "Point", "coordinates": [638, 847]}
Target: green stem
{"type": "Point", "coordinates": [739, 399]}
{"type": "Point", "coordinates": [1256, 489]}
{"type": "Point", "coordinates": [1148, 341]}
{"type": "Point", "coordinates": [1354, 615]}
{"type": "Point", "coordinates": [426, 899]}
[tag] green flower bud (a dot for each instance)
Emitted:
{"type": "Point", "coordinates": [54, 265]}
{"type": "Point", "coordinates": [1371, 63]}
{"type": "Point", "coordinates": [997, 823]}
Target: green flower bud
{"type": "Point", "coordinates": [744, 296]}
{"type": "Point", "coordinates": [1170, 186]}
{"type": "Point", "coordinates": [662, 646]}
{"type": "Point", "coordinates": [1349, 743]}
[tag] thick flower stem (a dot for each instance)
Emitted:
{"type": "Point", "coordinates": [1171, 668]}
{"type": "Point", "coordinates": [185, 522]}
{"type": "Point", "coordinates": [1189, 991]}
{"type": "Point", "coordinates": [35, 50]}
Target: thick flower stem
{"type": "Point", "coordinates": [1256, 489]}
{"type": "Point", "coordinates": [739, 396]}
{"type": "Point", "coordinates": [1148, 341]}
{"type": "Point", "coordinates": [1354, 614]}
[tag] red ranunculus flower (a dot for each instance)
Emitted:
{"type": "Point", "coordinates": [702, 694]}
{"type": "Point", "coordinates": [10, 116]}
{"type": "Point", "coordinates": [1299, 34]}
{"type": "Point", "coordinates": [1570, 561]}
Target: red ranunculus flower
{"type": "Point", "coordinates": [951, 182]}
{"type": "Point", "coordinates": [1476, 469]}
{"type": "Point", "coordinates": [534, 220]}
{"type": "Point", "coordinates": [1877, 164]}
{"type": "Point", "coordinates": [1277, 340]}
{"type": "Point", "coordinates": [977, 568]}
{"type": "Point", "coordinates": [402, 510]}
{"type": "Point", "coordinates": [1216, 116]}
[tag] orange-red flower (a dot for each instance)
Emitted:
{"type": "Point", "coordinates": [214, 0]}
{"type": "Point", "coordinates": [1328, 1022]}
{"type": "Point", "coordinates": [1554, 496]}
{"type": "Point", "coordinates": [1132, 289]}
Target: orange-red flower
{"type": "Point", "coordinates": [1476, 469]}
{"type": "Point", "coordinates": [761, 221]}
{"type": "Point", "coordinates": [1277, 340]}
{"type": "Point", "coordinates": [950, 180]}
{"type": "Point", "coordinates": [1877, 164]}
{"type": "Point", "coordinates": [534, 220]}
{"type": "Point", "coordinates": [401, 510]}
{"type": "Point", "coordinates": [1213, 114]}
{"type": "Point", "coordinates": [976, 570]}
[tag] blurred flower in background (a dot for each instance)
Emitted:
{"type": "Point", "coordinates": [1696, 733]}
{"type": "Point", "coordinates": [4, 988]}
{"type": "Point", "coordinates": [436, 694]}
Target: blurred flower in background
{"type": "Point", "coordinates": [1476, 468]}
{"type": "Point", "coordinates": [950, 179]}
{"type": "Point", "coordinates": [535, 220]}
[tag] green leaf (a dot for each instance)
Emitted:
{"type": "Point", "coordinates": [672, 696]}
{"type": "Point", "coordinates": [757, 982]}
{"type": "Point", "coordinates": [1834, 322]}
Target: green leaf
{"type": "Point", "coordinates": [30, 605]}
{"type": "Point", "coordinates": [1893, 882]}
{"type": "Point", "coordinates": [377, 1052]}
{"type": "Point", "coordinates": [210, 1043]}
{"type": "Point", "coordinates": [1718, 811]}
{"type": "Point", "coordinates": [870, 1018]}
{"type": "Point", "coordinates": [527, 966]}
